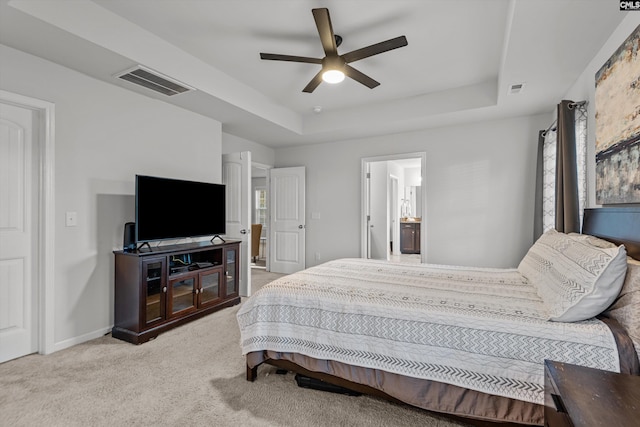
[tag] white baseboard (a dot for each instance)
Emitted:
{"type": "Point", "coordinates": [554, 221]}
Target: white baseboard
{"type": "Point", "coordinates": [82, 338]}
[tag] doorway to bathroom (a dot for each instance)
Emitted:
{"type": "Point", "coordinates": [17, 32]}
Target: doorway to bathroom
{"type": "Point", "coordinates": [393, 220]}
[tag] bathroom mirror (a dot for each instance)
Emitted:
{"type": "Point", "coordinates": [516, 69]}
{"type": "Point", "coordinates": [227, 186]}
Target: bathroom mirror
{"type": "Point", "coordinates": [412, 204]}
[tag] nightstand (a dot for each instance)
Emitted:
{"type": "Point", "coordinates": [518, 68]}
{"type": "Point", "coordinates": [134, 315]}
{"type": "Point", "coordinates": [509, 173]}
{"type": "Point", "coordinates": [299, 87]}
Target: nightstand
{"type": "Point", "coordinates": [578, 396]}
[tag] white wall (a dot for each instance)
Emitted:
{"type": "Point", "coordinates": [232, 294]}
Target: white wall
{"type": "Point", "coordinates": [584, 89]}
{"type": "Point", "coordinates": [104, 135]}
{"type": "Point", "coordinates": [412, 177]}
{"type": "Point", "coordinates": [480, 182]}
{"type": "Point", "coordinates": [259, 153]}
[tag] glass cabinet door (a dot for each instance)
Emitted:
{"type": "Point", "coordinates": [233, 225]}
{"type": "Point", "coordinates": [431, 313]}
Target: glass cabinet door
{"type": "Point", "coordinates": [231, 267]}
{"type": "Point", "coordinates": [210, 286]}
{"type": "Point", "coordinates": [153, 275]}
{"type": "Point", "coordinates": [182, 294]}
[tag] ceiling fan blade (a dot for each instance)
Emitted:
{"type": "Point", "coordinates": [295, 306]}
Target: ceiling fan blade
{"type": "Point", "coordinates": [314, 83]}
{"type": "Point", "coordinates": [325, 30]}
{"type": "Point", "coordinates": [360, 77]}
{"type": "Point", "coordinates": [374, 49]}
{"type": "Point", "coordinates": [278, 57]}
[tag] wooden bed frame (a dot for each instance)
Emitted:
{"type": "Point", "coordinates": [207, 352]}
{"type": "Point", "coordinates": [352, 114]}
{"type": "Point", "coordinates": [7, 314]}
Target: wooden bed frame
{"type": "Point", "coordinates": [617, 225]}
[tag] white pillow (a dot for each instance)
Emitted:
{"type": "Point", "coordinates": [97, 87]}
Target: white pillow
{"type": "Point", "coordinates": [576, 277]}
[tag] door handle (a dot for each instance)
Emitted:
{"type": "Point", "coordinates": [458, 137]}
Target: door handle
{"type": "Point", "coordinates": [301, 226]}
{"type": "Point", "coordinates": [243, 231]}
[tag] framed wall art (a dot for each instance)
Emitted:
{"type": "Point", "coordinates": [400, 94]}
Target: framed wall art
{"type": "Point", "coordinates": [617, 101]}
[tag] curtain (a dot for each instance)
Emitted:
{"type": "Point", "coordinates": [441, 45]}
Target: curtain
{"type": "Point", "coordinates": [548, 172]}
{"type": "Point", "coordinates": [567, 206]}
{"type": "Point", "coordinates": [549, 180]}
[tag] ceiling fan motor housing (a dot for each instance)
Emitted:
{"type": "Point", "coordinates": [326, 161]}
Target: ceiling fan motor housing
{"type": "Point", "coordinates": [333, 63]}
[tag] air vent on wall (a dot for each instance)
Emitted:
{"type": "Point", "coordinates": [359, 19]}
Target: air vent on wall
{"type": "Point", "coordinates": [153, 80]}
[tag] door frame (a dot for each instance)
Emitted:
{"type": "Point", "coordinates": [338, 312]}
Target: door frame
{"type": "Point", "coordinates": [394, 218]}
{"type": "Point", "coordinates": [364, 194]}
{"type": "Point", "coordinates": [44, 265]}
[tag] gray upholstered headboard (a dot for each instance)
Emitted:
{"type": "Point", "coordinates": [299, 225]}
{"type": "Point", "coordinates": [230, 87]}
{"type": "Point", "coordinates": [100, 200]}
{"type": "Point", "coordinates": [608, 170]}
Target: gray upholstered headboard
{"type": "Point", "coordinates": [617, 225]}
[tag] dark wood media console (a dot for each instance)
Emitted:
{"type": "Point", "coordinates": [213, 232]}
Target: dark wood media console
{"type": "Point", "coordinates": [157, 289]}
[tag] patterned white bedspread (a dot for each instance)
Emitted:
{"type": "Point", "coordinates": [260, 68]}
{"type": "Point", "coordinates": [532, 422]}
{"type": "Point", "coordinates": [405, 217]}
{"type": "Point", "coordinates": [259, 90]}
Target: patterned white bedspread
{"type": "Point", "coordinates": [479, 328]}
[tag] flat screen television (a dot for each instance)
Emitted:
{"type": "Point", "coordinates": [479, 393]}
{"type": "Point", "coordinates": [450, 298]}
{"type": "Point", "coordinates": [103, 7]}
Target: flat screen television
{"type": "Point", "coordinates": [174, 209]}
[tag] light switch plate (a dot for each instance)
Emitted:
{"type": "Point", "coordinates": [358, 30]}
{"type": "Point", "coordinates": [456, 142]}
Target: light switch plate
{"type": "Point", "coordinates": [71, 219]}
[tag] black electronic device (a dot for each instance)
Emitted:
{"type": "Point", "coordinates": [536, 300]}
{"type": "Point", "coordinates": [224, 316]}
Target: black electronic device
{"type": "Point", "coordinates": [174, 209]}
{"type": "Point", "coordinates": [129, 238]}
{"type": "Point", "coordinates": [308, 382]}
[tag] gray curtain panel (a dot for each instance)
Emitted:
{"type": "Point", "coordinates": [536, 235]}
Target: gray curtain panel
{"type": "Point", "coordinates": [567, 207]}
{"type": "Point", "coordinates": [538, 211]}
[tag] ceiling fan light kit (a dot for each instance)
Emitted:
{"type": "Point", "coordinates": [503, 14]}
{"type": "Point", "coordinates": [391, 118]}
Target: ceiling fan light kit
{"type": "Point", "coordinates": [333, 76]}
{"type": "Point", "coordinates": [332, 69]}
{"type": "Point", "coordinates": [334, 66]}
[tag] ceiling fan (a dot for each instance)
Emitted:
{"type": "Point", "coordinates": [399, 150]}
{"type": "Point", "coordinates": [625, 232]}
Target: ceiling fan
{"type": "Point", "coordinates": [334, 66]}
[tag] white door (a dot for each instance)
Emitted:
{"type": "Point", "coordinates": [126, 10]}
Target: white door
{"type": "Point", "coordinates": [236, 175]}
{"type": "Point", "coordinates": [287, 223]}
{"type": "Point", "coordinates": [18, 231]}
{"type": "Point", "coordinates": [378, 210]}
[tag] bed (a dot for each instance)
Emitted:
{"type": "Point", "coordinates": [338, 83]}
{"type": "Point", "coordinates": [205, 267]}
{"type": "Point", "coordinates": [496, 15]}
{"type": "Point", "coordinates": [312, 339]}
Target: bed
{"type": "Point", "coordinates": [468, 342]}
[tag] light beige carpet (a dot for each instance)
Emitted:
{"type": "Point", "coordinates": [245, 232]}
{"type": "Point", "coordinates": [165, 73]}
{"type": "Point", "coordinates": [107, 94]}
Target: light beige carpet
{"type": "Point", "coordinates": [260, 277]}
{"type": "Point", "coordinates": [193, 375]}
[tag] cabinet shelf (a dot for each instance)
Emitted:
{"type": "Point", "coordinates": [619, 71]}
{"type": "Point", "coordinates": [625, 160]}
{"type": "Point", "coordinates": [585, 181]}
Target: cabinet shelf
{"type": "Point", "coordinates": [181, 292]}
{"type": "Point", "coordinates": [153, 299]}
{"type": "Point", "coordinates": [187, 271]}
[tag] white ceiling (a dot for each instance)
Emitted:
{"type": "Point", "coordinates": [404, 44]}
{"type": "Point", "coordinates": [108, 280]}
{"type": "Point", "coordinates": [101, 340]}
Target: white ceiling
{"type": "Point", "coordinates": [461, 57]}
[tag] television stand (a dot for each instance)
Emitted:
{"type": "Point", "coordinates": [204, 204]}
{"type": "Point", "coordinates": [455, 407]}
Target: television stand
{"type": "Point", "coordinates": [164, 287]}
{"type": "Point", "coordinates": [218, 236]}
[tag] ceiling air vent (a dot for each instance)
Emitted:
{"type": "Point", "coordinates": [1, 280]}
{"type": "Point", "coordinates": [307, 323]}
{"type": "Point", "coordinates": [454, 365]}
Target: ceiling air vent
{"type": "Point", "coordinates": [153, 80]}
{"type": "Point", "coordinates": [516, 88]}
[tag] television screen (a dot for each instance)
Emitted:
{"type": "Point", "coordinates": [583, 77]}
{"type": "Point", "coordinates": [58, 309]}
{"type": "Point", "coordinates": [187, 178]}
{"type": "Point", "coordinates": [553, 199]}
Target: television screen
{"type": "Point", "coordinates": [173, 209]}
